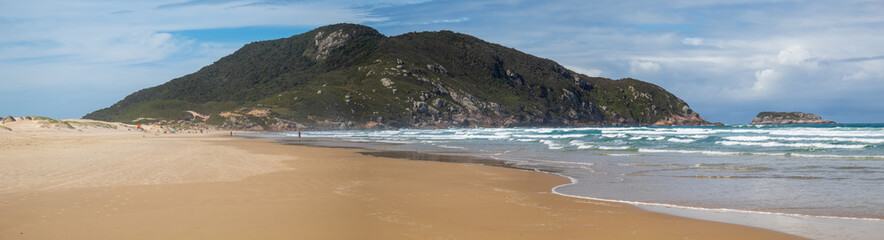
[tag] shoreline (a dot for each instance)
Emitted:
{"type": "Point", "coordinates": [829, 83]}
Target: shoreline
{"type": "Point", "coordinates": [749, 218]}
{"type": "Point", "coordinates": [426, 156]}
{"type": "Point", "coordinates": [723, 210]}
{"type": "Point", "coordinates": [319, 192]}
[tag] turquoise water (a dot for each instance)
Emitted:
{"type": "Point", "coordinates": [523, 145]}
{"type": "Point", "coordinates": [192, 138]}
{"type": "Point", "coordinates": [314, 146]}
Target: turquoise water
{"type": "Point", "coordinates": [793, 170]}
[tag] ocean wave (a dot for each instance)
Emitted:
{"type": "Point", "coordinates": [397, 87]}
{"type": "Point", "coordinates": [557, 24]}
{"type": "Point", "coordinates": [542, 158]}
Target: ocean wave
{"type": "Point", "coordinates": [799, 139]}
{"type": "Point", "coordinates": [681, 140]}
{"type": "Point", "coordinates": [552, 145]}
{"type": "Point", "coordinates": [870, 157]}
{"type": "Point", "coordinates": [680, 131]}
{"type": "Point", "coordinates": [549, 136]}
{"type": "Point", "coordinates": [791, 145]}
{"type": "Point", "coordinates": [581, 144]}
{"type": "Point", "coordinates": [827, 133]}
{"type": "Point", "coordinates": [618, 135]}
{"type": "Point", "coordinates": [772, 154]}
{"type": "Point", "coordinates": [619, 154]}
{"type": "Point", "coordinates": [525, 140]}
{"type": "Point", "coordinates": [708, 152]}
{"type": "Point", "coordinates": [698, 166]}
{"type": "Point", "coordinates": [615, 148]}
{"type": "Point", "coordinates": [650, 138]}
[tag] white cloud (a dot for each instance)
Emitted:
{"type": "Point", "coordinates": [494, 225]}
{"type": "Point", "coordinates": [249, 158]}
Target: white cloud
{"type": "Point", "coordinates": [592, 72]}
{"type": "Point", "coordinates": [138, 32]}
{"type": "Point", "coordinates": [795, 56]}
{"type": "Point", "coordinates": [122, 46]}
{"type": "Point", "coordinates": [765, 81]}
{"type": "Point", "coordinates": [692, 41]}
{"type": "Point", "coordinates": [856, 76]}
{"type": "Point", "coordinates": [456, 20]}
{"type": "Point", "coordinates": [641, 66]}
{"type": "Point", "coordinates": [133, 47]}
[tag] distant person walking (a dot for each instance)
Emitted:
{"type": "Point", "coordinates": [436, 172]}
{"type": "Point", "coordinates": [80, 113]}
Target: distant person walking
{"type": "Point", "coordinates": [299, 134]}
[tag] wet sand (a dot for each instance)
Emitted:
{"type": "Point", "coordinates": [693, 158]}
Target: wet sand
{"type": "Point", "coordinates": [203, 186]}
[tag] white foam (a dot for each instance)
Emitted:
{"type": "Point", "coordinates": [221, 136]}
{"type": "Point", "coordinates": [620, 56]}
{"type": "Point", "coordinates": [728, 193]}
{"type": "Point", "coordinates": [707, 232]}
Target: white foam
{"type": "Point", "coordinates": [748, 138]}
{"type": "Point", "coordinates": [540, 130]}
{"type": "Point", "coordinates": [621, 154]}
{"type": "Point", "coordinates": [581, 144]}
{"type": "Point", "coordinates": [798, 139]}
{"type": "Point", "coordinates": [792, 145]}
{"type": "Point", "coordinates": [549, 136]}
{"type": "Point", "coordinates": [614, 148]}
{"type": "Point", "coordinates": [826, 133]}
{"type": "Point", "coordinates": [552, 144]}
{"type": "Point", "coordinates": [679, 131]}
{"type": "Point", "coordinates": [618, 135]}
{"type": "Point", "coordinates": [708, 152]}
{"type": "Point", "coordinates": [651, 138]}
{"type": "Point", "coordinates": [838, 156]}
{"type": "Point", "coordinates": [681, 140]}
{"type": "Point", "coordinates": [451, 147]}
{"type": "Point", "coordinates": [761, 154]}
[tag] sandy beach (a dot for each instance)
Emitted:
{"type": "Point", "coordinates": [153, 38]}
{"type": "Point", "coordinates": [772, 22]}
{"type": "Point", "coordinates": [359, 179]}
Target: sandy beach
{"type": "Point", "coordinates": [124, 184]}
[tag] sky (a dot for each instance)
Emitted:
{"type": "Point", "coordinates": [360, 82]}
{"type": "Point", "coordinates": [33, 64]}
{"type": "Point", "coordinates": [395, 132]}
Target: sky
{"type": "Point", "coordinates": [728, 60]}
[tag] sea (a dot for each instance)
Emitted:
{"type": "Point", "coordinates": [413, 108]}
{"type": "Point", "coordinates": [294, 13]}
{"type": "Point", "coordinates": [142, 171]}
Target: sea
{"type": "Point", "coordinates": [816, 181]}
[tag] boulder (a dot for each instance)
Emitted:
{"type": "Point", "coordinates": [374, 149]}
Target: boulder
{"type": "Point", "coordinates": [387, 82]}
{"type": "Point", "coordinates": [438, 69]}
{"type": "Point", "coordinates": [421, 107]}
{"type": "Point", "coordinates": [438, 103]}
{"type": "Point", "coordinates": [515, 78]}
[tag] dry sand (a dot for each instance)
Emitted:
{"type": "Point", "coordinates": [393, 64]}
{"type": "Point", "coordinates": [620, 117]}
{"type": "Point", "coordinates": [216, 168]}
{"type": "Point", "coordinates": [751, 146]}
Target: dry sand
{"type": "Point", "coordinates": [128, 185]}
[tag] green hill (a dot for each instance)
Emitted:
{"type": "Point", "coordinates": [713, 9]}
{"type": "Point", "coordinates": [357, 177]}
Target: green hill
{"type": "Point", "coordinates": [351, 76]}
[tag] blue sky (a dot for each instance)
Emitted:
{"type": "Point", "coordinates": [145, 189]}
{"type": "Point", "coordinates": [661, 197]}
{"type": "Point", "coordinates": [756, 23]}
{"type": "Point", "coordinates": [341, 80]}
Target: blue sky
{"type": "Point", "coordinates": [728, 60]}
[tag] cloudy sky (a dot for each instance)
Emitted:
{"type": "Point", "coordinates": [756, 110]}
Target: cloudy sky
{"type": "Point", "coordinates": [728, 60]}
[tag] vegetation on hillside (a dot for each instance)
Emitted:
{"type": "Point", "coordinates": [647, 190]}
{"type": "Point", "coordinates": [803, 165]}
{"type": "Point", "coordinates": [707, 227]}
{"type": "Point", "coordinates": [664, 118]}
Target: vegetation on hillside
{"type": "Point", "coordinates": [346, 75]}
{"type": "Point", "coordinates": [781, 115]}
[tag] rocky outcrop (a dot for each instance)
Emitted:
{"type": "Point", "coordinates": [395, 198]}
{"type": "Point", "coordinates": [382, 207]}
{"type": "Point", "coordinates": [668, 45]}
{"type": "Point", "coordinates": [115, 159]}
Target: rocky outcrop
{"type": "Point", "coordinates": [438, 69]}
{"type": "Point", "coordinates": [326, 42]}
{"type": "Point", "coordinates": [767, 118]}
{"type": "Point", "coordinates": [682, 119]}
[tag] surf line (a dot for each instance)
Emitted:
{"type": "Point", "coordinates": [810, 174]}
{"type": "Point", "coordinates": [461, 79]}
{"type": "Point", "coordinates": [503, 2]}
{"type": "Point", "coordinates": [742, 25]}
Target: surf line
{"type": "Point", "coordinates": [575, 181]}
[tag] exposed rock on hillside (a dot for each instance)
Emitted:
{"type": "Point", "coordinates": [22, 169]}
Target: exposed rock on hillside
{"type": "Point", "coordinates": [788, 118]}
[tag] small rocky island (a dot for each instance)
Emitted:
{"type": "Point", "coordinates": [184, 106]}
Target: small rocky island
{"type": "Point", "coordinates": [789, 118]}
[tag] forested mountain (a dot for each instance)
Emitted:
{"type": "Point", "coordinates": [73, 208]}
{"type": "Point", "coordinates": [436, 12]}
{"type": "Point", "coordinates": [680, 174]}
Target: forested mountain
{"type": "Point", "coordinates": [351, 76]}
